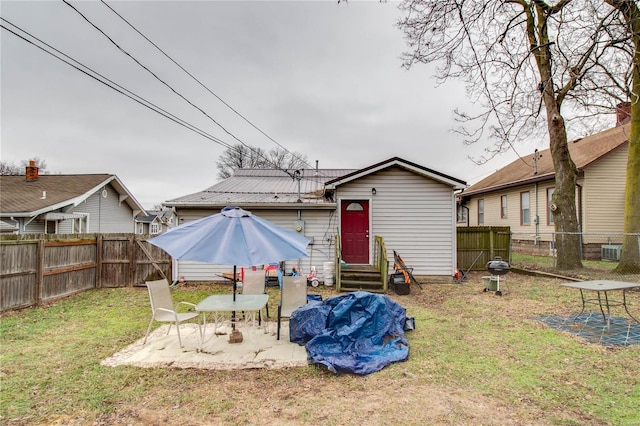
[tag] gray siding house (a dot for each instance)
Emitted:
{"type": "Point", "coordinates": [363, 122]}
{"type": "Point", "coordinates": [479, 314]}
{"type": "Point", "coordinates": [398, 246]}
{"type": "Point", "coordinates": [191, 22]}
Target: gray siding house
{"type": "Point", "coordinates": [410, 206]}
{"type": "Point", "coordinates": [66, 204]}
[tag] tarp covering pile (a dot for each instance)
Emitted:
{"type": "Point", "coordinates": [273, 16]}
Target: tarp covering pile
{"type": "Point", "coordinates": [358, 333]}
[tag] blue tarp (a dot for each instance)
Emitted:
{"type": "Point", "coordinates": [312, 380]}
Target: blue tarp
{"type": "Point", "coordinates": [357, 333]}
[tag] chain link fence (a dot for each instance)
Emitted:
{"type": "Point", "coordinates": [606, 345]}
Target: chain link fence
{"type": "Point", "coordinates": [600, 253]}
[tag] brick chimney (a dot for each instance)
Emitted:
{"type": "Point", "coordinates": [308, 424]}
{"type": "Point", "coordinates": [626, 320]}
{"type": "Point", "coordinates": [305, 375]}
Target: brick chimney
{"type": "Point", "coordinates": [623, 113]}
{"type": "Point", "coordinates": [32, 171]}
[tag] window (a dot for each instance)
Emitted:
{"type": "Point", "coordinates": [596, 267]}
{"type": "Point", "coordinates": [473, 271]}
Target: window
{"type": "Point", "coordinates": [525, 212]}
{"type": "Point", "coordinates": [549, 202]}
{"type": "Point", "coordinates": [480, 212]}
{"type": "Point", "coordinates": [155, 228]}
{"type": "Point", "coordinates": [355, 207]}
{"type": "Point", "coordinates": [503, 207]}
{"type": "Point", "coordinates": [50, 227]}
{"type": "Point", "coordinates": [461, 216]}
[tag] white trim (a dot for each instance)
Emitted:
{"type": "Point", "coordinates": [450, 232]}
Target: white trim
{"type": "Point", "coordinates": [416, 170]}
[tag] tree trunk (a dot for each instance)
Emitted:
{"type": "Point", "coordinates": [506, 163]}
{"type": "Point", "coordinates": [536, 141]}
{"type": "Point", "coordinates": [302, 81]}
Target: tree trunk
{"type": "Point", "coordinates": [568, 241]}
{"type": "Point", "coordinates": [630, 256]}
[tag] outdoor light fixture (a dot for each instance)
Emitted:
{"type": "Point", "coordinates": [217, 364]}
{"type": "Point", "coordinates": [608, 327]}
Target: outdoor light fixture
{"type": "Point", "coordinates": [373, 191]}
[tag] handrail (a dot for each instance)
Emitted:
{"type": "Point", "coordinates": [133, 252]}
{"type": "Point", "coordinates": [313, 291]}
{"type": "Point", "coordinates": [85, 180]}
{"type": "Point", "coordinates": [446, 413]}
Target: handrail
{"type": "Point", "coordinates": [381, 260]}
{"type": "Point", "coordinates": [338, 260]}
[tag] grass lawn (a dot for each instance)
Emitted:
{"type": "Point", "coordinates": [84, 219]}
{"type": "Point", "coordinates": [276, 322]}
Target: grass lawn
{"type": "Point", "coordinates": [475, 358]}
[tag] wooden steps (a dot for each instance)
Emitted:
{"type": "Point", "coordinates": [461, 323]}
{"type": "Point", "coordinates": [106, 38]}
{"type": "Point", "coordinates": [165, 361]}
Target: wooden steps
{"type": "Point", "coordinates": [361, 278]}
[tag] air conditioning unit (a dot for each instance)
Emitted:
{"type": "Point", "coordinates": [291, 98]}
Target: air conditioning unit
{"type": "Point", "coordinates": [610, 252]}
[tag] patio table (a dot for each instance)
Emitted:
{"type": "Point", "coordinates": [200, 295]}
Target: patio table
{"type": "Point", "coordinates": [220, 303]}
{"type": "Point", "coordinates": [602, 287]}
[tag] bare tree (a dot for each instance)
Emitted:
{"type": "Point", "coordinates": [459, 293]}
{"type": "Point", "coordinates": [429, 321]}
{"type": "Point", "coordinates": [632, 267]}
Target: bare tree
{"type": "Point", "coordinates": [529, 66]}
{"type": "Point", "coordinates": [8, 168]}
{"type": "Point", "coordinates": [242, 156]}
{"type": "Point", "coordinates": [630, 256]}
{"type": "Point", "coordinates": [281, 159]}
{"type": "Point", "coordinates": [239, 157]}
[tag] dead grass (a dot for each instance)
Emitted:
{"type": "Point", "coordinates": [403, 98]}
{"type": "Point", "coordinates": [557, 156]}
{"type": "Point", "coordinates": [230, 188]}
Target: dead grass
{"type": "Point", "coordinates": [475, 359]}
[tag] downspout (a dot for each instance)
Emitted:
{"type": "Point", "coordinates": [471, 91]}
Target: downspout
{"type": "Point", "coordinates": [580, 218]}
{"type": "Point", "coordinates": [536, 220]}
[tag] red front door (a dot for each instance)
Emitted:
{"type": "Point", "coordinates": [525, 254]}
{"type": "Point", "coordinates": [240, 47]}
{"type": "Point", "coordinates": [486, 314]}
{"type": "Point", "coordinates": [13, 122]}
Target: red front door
{"type": "Point", "coordinates": [354, 225]}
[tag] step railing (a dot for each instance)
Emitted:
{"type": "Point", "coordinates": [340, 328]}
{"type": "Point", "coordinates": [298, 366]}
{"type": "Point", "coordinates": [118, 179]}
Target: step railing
{"type": "Point", "coordinates": [380, 260]}
{"type": "Point", "coordinates": [338, 260]}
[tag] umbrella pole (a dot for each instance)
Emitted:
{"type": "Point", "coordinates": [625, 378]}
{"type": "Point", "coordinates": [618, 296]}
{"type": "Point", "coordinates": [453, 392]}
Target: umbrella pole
{"type": "Point", "coordinates": [233, 313]}
{"type": "Point", "coordinates": [236, 336]}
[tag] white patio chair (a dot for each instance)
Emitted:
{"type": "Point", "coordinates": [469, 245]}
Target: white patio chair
{"type": "Point", "coordinates": [162, 309]}
{"type": "Point", "coordinates": [292, 295]}
{"type": "Point", "coordinates": [254, 283]}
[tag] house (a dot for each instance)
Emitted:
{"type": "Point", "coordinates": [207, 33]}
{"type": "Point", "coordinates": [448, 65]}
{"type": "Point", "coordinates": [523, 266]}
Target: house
{"type": "Point", "coordinates": [65, 204]}
{"type": "Point", "coordinates": [519, 196]}
{"type": "Point", "coordinates": [156, 222]}
{"type": "Point", "coordinates": [410, 206]}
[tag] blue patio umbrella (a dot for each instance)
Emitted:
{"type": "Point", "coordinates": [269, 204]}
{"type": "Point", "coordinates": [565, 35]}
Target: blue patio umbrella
{"type": "Point", "coordinates": [232, 237]}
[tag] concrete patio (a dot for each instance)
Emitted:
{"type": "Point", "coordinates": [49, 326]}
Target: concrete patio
{"type": "Point", "coordinates": [258, 349]}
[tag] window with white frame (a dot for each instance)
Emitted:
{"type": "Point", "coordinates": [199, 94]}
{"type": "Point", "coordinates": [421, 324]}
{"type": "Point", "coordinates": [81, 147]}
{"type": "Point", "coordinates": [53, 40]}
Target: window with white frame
{"type": "Point", "coordinates": [461, 216]}
{"type": "Point", "coordinates": [549, 203]}
{"type": "Point", "coordinates": [525, 209]}
{"type": "Point", "coordinates": [155, 228]}
{"type": "Point", "coordinates": [481, 212]}
{"type": "Point", "coordinates": [503, 207]}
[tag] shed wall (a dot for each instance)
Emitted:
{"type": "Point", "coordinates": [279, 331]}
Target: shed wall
{"type": "Point", "coordinates": [415, 216]}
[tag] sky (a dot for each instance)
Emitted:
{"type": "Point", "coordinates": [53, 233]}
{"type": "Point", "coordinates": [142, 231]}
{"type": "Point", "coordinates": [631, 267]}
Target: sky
{"type": "Point", "coordinates": [321, 78]}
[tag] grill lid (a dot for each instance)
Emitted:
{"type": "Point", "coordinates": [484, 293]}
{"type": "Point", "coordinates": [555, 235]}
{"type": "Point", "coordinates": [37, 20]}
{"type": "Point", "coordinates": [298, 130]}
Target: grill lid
{"type": "Point", "coordinates": [498, 267]}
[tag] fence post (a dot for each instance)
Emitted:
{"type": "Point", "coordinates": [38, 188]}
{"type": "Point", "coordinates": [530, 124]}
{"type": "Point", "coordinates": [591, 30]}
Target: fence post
{"type": "Point", "coordinates": [99, 248]}
{"type": "Point", "coordinates": [492, 251]}
{"type": "Point", "coordinates": [40, 271]}
{"type": "Point", "coordinates": [132, 262]}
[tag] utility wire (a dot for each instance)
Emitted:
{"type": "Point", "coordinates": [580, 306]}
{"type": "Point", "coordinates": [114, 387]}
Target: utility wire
{"type": "Point", "coordinates": [149, 71]}
{"type": "Point", "coordinates": [107, 82]}
{"type": "Point", "coordinates": [169, 86]}
{"type": "Point", "coordinates": [204, 86]}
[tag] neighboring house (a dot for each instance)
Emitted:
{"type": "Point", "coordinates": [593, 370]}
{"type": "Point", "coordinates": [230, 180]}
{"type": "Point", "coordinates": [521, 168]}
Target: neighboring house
{"type": "Point", "coordinates": [66, 204]}
{"type": "Point", "coordinates": [8, 228]}
{"type": "Point", "coordinates": [519, 195]}
{"type": "Point", "coordinates": [410, 206]}
{"type": "Point", "coordinates": [156, 222]}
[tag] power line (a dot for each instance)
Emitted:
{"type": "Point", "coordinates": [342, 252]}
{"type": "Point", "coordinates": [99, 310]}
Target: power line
{"type": "Point", "coordinates": [109, 83]}
{"type": "Point", "coordinates": [255, 151]}
{"type": "Point", "coordinates": [168, 85]}
{"type": "Point", "coordinates": [203, 85]}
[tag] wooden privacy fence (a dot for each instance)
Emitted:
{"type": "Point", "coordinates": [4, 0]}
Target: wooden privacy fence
{"type": "Point", "coordinates": [482, 244]}
{"type": "Point", "coordinates": [39, 268]}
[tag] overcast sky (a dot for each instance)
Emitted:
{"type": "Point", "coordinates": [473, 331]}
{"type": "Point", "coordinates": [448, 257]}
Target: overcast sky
{"type": "Point", "coordinates": [320, 78]}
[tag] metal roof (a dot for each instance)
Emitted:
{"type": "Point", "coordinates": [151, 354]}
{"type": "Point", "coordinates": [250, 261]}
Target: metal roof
{"type": "Point", "coordinates": [265, 186]}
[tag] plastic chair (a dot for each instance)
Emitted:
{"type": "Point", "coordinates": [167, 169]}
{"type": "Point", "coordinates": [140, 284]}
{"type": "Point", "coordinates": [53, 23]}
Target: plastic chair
{"type": "Point", "coordinates": [162, 309]}
{"type": "Point", "coordinates": [254, 283]}
{"type": "Point", "coordinates": [292, 295]}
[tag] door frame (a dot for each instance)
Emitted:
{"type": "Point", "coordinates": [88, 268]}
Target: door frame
{"type": "Point", "coordinates": [369, 201]}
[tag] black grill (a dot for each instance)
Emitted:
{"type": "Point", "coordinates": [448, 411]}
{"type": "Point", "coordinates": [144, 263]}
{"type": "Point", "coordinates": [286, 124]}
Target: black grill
{"type": "Point", "coordinates": [498, 267]}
